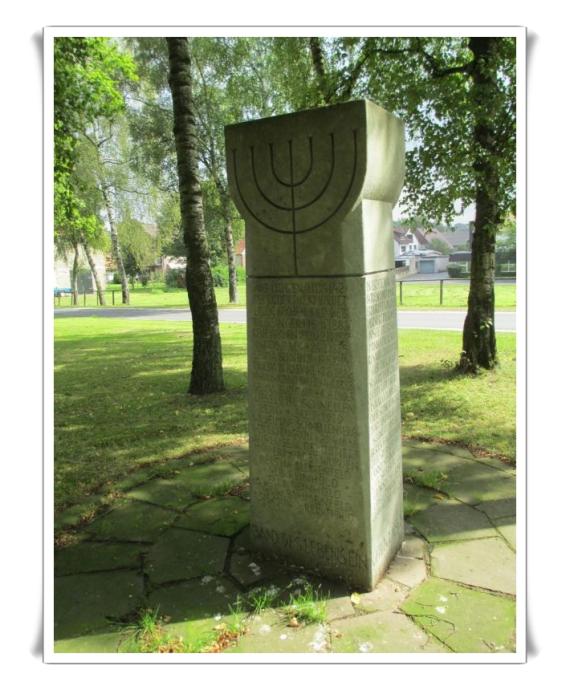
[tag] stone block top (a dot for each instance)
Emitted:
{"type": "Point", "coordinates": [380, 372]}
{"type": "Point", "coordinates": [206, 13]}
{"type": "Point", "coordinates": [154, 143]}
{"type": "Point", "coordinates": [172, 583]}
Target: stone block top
{"type": "Point", "coordinates": [296, 178]}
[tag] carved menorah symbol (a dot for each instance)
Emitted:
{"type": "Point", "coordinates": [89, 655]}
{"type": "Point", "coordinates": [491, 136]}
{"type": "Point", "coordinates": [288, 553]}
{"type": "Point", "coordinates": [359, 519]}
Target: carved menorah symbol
{"type": "Point", "coordinates": [294, 187]}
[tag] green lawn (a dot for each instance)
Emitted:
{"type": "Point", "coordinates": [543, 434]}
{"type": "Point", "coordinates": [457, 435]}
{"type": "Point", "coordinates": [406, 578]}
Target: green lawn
{"type": "Point", "coordinates": [152, 296]}
{"type": "Point", "coordinates": [121, 402]}
{"type": "Point", "coordinates": [414, 296]}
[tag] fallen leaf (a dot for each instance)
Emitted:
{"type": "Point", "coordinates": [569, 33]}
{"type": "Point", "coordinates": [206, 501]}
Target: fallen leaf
{"type": "Point", "coordinates": [355, 598]}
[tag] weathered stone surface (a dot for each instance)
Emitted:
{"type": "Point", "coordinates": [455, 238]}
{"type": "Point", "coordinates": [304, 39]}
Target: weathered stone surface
{"type": "Point", "coordinates": [192, 609]}
{"type": "Point", "coordinates": [407, 570]}
{"type": "Point", "coordinates": [499, 508]}
{"type": "Point", "coordinates": [387, 596]}
{"type": "Point", "coordinates": [486, 563]}
{"type": "Point", "coordinates": [416, 499]}
{"type": "Point", "coordinates": [181, 554]}
{"type": "Point", "coordinates": [93, 644]}
{"type": "Point", "coordinates": [381, 632]}
{"type": "Point", "coordinates": [413, 547]}
{"type": "Point", "coordinates": [316, 189]}
{"type": "Point", "coordinates": [463, 619]}
{"type": "Point", "coordinates": [85, 603]}
{"type": "Point", "coordinates": [508, 529]}
{"type": "Point", "coordinates": [475, 483]}
{"type": "Point", "coordinates": [452, 521]}
{"type": "Point", "coordinates": [132, 521]}
{"type": "Point", "coordinates": [223, 516]}
{"type": "Point", "coordinates": [168, 493]}
{"type": "Point", "coordinates": [268, 633]}
{"type": "Point", "coordinates": [249, 570]}
{"type": "Point", "coordinates": [90, 557]}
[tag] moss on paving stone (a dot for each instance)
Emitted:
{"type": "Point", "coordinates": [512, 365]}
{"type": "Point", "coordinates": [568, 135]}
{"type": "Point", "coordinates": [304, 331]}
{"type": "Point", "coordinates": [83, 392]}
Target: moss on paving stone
{"type": "Point", "coordinates": [486, 563]}
{"type": "Point", "coordinates": [499, 508]}
{"type": "Point", "coordinates": [193, 609]}
{"type": "Point", "coordinates": [428, 460]}
{"type": "Point", "coordinates": [132, 521]}
{"type": "Point", "coordinates": [474, 483]}
{"type": "Point", "coordinates": [223, 516]}
{"type": "Point", "coordinates": [168, 493]}
{"type": "Point", "coordinates": [92, 556]}
{"type": "Point", "coordinates": [89, 644]}
{"type": "Point", "coordinates": [416, 499]}
{"type": "Point", "coordinates": [451, 520]}
{"type": "Point", "coordinates": [212, 479]}
{"type": "Point", "coordinates": [86, 603]}
{"type": "Point", "coordinates": [268, 632]}
{"type": "Point", "coordinates": [446, 449]}
{"type": "Point", "coordinates": [466, 620]}
{"type": "Point", "coordinates": [381, 632]}
{"type": "Point", "coordinates": [181, 554]}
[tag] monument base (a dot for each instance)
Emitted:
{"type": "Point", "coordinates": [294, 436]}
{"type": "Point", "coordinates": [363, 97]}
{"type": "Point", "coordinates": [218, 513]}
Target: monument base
{"type": "Point", "coordinates": [324, 408]}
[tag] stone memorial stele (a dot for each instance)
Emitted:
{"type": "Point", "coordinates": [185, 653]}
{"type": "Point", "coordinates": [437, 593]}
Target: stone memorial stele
{"type": "Point", "coordinates": [316, 189]}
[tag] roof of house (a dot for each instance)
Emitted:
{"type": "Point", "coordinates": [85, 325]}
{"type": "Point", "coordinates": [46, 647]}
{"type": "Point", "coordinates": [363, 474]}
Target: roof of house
{"type": "Point", "coordinates": [239, 247]}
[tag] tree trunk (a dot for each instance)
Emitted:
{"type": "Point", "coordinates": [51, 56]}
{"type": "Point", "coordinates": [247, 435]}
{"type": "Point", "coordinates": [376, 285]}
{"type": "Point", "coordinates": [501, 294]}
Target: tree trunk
{"type": "Point", "coordinates": [207, 374]}
{"type": "Point", "coordinates": [479, 343]}
{"type": "Point", "coordinates": [319, 67]}
{"type": "Point", "coordinates": [93, 268]}
{"type": "Point", "coordinates": [230, 249]}
{"type": "Point", "coordinates": [116, 247]}
{"type": "Point", "coordinates": [74, 272]}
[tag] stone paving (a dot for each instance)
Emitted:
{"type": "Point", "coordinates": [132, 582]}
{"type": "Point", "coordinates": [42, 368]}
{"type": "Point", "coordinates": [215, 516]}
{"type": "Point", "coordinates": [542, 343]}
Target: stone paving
{"type": "Point", "coordinates": [174, 541]}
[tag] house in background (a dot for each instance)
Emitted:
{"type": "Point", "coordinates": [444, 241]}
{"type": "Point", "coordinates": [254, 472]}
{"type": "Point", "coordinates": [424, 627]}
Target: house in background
{"type": "Point", "coordinates": [413, 252]}
{"type": "Point", "coordinates": [63, 265]}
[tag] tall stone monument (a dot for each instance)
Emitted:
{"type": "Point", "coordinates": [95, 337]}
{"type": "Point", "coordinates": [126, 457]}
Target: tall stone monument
{"type": "Point", "coordinates": [316, 189]}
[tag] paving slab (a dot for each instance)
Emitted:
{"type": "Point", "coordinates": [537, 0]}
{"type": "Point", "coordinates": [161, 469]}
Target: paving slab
{"type": "Point", "coordinates": [86, 602]}
{"type": "Point", "coordinates": [418, 498]}
{"type": "Point", "coordinates": [88, 557]}
{"type": "Point", "coordinates": [168, 493]}
{"type": "Point", "coordinates": [249, 570]}
{"type": "Point", "coordinates": [486, 563]}
{"type": "Point", "coordinates": [407, 570]}
{"type": "Point", "coordinates": [92, 644]}
{"type": "Point", "coordinates": [180, 554]}
{"type": "Point", "coordinates": [445, 449]}
{"type": "Point", "coordinates": [508, 529]}
{"type": "Point", "coordinates": [463, 619]}
{"type": "Point", "coordinates": [475, 483]}
{"type": "Point", "coordinates": [381, 632]}
{"type": "Point", "coordinates": [223, 516]}
{"type": "Point", "coordinates": [413, 547]}
{"type": "Point", "coordinates": [132, 521]}
{"type": "Point", "coordinates": [386, 597]}
{"type": "Point", "coordinates": [429, 460]}
{"type": "Point", "coordinates": [499, 508]}
{"type": "Point", "coordinates": [211, 479]}
{"type": "Point", "coordinates": [193, 609]}
{"type": "Point", "coordinates": [452, 521]}
{"type": "Point", "coordinates": [268, 632]}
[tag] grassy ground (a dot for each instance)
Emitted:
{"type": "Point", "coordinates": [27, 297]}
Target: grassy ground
{"type": "Point", "coordinates": [121, 399]}
{"type": "Point", "coordinates": [414, 296]}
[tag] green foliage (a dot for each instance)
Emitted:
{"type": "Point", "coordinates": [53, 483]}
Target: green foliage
{"type": "Point", "coordinates": [456, 270]}
{"type": "Point", "coordinates": [88, 76]}
{"type": "Point", "coordinates": [440, 246]}
{"type": "Point", "coordinates": [137, 246]}
{"type": "Point", "coordinates": [175, 278]}
{"type": "Point", "coordinates": [307, 605]}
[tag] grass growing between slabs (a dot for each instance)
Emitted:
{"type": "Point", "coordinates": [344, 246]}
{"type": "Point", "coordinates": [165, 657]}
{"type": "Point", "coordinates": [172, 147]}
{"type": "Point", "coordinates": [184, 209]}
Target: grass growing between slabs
{"type": "Point", "coordinates": [121, 402]}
